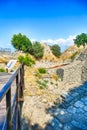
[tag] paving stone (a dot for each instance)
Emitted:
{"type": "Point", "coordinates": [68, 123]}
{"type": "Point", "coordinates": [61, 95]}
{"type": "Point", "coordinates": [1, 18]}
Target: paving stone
{"type": "Point", "coordinates": [70, 127]}
{"type": "Point", "coordinates": [85, 108]}
{"type": "Point", "coordinates": [69, 99]}
{"type": "Point", "coordinates": [79, 104]}
{"type": "Point", "coordinates": [72, 90]}
{"type": "Point", "coordinates": [56, 111]}
{"type": "Point", "coordinates": [65, 117]}
{"type": "Point", "coordinates": [80, 118]}
{"type": "Point", "coordinates": [84, 88]}
{"type": "Point", "coordinates": [85, 114]}
{"type": "Point", "coordinates": [79, 125]}
{"type": "Point", "coordinates": [84, 100]}
{"type": "Point", "coordinates": [67, 127]}
{"type": "Point", "coordinates": [78, 90]}
{"type": "Point", "coordinates": [80, 110]}
{"type": "Point", "coordinates": [55, 124]}
{"type": "Point", "coordinates": [85, 94]}
{"type": "Point", "coordinates": [75, 94]}
{"type": "Point", "coordinates": [72, 109]}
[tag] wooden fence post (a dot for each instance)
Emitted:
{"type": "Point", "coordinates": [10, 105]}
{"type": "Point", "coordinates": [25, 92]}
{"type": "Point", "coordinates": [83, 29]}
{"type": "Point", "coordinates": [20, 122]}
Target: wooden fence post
{"type": "Point", "coordinates": [8, 107]}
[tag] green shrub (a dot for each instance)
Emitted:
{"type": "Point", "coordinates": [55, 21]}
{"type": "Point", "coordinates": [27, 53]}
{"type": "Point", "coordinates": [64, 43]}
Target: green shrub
{"type": "Point", "coordinates": [42, 70]}
{"type": "Point", "coordinates": [56, 50]}
{"type": "Point", "coordinates": [27, 60]}
{"type": "Point", "coordinates": [42, 84]}
{"type": "Point", "coordinates": [2, 70]}
{"type": "Point", "coordinates": [74, 55]}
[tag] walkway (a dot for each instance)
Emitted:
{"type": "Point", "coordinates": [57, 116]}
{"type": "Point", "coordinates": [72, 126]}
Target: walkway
{"type": "Point", "coordinates": [71, 114]}
{"type": "Point", "coordinates": [4, 77]}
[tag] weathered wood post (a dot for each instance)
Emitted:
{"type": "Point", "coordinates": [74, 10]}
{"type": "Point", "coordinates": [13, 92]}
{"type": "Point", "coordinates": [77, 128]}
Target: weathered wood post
{"type": "Point", "coordinates": [8, 108]}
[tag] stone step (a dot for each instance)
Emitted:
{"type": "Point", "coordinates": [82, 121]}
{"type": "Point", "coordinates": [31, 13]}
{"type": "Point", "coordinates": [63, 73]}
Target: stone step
{"type": "Point", "coordinates": [73, 96]}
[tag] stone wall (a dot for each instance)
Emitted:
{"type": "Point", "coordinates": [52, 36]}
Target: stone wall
{"type": "Point", "coordinates": [84, 72]}
{"type": "Point", "coordinates": [71, 73]}
{"type": "Point", "coordinates": [76, 72]}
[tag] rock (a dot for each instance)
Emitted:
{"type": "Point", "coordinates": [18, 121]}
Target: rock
{"type": "Point", "coordinates": [44, 100]}
{"type": "Point", "coordinates": [60, 73]}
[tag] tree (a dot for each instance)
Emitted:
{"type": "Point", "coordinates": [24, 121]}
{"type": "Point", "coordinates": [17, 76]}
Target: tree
{"type": "Point", "coordinates": [21, 42]}
{"type": "Point", "coordinates": [56, 50]}
{"type": "Point", "coordinates": [38, 50]}
{"type": "Point", "coordinates": [81, 40]}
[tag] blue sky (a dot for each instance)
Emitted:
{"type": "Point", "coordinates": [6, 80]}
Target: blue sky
{"type": "Point", "coordinates": [51, 21]}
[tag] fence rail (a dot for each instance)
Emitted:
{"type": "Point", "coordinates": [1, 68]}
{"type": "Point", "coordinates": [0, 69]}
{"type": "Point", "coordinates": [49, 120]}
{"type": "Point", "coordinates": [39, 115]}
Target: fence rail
{"type": "Point", "coordinates": [13, 109]}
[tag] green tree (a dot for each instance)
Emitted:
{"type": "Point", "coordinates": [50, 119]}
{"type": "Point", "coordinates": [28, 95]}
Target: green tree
{"type": "Point", "coordinates": [27, 60]}
{"type": "Point", "coordinates": [56, 50]}
{"type": "Point", "coordinates": [81, 40]}
{"type": "Point", "coordinates": [21, 42]}
{"type": "Point", "coordinates": [38, 50]}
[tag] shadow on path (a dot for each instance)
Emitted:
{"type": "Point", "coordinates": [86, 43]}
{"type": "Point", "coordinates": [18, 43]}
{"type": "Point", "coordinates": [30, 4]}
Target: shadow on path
{"type": "Point", "coordinates": [70, 114]}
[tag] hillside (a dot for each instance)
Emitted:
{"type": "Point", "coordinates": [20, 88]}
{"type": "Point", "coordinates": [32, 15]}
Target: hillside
{"type": "Point", "coordinates": [48, 55]}
{"type": "Point", "coordinates": [71, 51]}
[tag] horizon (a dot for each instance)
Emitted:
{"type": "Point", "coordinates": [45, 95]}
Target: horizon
{"type": "Point", "coordinates": [53, 22]}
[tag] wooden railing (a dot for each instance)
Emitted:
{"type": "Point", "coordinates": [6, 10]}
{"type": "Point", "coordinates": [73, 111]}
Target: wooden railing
{"type": "Point", "coordinates": [13, 109]}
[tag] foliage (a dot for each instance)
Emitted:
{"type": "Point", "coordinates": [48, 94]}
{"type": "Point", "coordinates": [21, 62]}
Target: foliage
{"type": "Point", "coordinates": [42, 70]}
{"type": "Point", "coordinates": [74, 55]}
{"type": "Point", "coordinates": [42, 84]}
{"type": "Point", "coordinates": [27, 60]}
{"type": "Point", "coordinates": [38, 50]}
{"type": "Point", "coordinates": [2, 70]}
{"type": "Point", "coordinates": [56, 50]}
{"type": "Point", "coordinates": [81, 40]}
{"type": "Point", "coordinates": [21, 42]}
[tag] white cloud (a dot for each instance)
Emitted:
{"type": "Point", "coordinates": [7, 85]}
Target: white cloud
{"type": "Point", "coordinates": [33, 40]}
{"type": "Point", "coordinates": [63, 43]}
